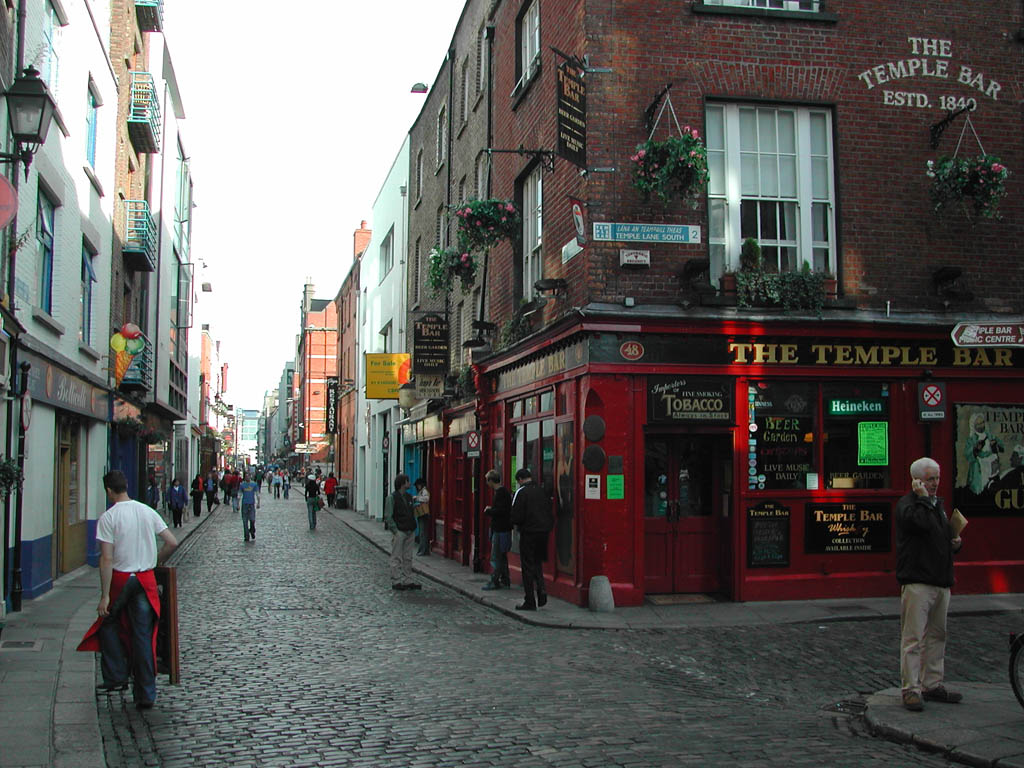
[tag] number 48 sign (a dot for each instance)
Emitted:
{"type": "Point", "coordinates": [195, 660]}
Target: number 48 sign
{"type": "Point", "coordinates": [931, 401]}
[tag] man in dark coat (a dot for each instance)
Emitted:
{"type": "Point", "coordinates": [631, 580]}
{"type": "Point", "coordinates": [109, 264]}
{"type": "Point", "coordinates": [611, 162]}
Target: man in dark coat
{"type": "Point", "coordinates": [531, 513]}
{"type": "Point", "coordinates": [500, 513]}
{"type": "Point", "coordinates": [925, 543]}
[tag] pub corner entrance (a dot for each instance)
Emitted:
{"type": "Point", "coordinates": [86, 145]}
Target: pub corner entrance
{"type": "Point", "coordinates": [687, 494]}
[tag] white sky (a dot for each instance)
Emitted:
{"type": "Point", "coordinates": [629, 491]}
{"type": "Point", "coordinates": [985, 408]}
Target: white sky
{"type": "Point", "coordinates": [294, 114]}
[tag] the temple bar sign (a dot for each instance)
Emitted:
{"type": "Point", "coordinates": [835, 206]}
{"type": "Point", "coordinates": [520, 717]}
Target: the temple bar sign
{"type": "Point", "coordinates": [572, 115]}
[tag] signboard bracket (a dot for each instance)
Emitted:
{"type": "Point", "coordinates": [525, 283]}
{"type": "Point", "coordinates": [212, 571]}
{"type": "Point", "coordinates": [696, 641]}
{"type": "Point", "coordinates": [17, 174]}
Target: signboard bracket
{"type": "Point", "coordinates": [545, 156]}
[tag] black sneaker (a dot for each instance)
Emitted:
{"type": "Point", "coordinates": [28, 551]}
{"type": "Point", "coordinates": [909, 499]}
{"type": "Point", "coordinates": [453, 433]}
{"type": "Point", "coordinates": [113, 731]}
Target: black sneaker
{"type": "Point", "coordinates": [526, 607]}
{"type": "Point", "coordinates": [542, 600]}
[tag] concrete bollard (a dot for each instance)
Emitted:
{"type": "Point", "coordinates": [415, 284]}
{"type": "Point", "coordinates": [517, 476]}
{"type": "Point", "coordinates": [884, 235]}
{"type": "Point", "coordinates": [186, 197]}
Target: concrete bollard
{"type": "Point", "coordinates": [600, 597]}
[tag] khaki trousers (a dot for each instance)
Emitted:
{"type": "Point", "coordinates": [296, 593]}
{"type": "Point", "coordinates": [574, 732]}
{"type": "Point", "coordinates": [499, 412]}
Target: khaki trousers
{"type": "Point", "coordinates": [401, 556]}
{"type": "Point", "coordinates": [922, 636]}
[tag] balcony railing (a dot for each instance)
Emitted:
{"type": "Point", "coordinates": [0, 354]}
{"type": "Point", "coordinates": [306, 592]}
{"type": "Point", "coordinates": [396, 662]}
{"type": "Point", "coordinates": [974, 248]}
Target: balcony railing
{"type": "Point", "coordinates": [140, 237]}
{"type": "Point", "coordinates": [139, 376]}
{"type": "Point", "coordinates": [144, 114]}
{"type": "Point", "coordinates": [150, 15]}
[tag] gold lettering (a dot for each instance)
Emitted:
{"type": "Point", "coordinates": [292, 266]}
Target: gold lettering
{"type": "Point", "coordinates": [929, 356]}
{"type": "Point", "coordinates": [739, 352]}
{"type": "Point", "coordinates": [820, 350]}
{"type": "Point", "coordinates": [889, 354]}
{"type": "Point", "coordinates": [961, 356]}
{"type": "Point", "coordinates": [764, 353]}
{"type": "Point", "coordinates": [981, 358]}
{"type": "Point", "coordinates": [843, 356]}
{"type": "Point", "coordinates": [1002, 358]}
{"type": "Point", "coordinates": [905, 358]}
{"type": "Point", "coordinates": [789, 353]}
{"type": "Point", "coordinates": [867, 355]}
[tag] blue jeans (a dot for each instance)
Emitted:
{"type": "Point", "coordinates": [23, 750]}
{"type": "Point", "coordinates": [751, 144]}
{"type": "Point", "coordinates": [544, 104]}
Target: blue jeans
{"type": "Point", "coordinates": [423, 534]}
{"type": "Point", "coordinates": [311, 513]}
{"type": "Point", "coordinates": [501, 542]}
{"type": "Point", "coordinates": [234, 501]}
{"type": "Point", "coordinates": [277, 491]}
{"type": "Point", "coordinates": [249, 520]}
{"type": "Point", "coordinates": [286, 488]}
{"type": "Point", "coordinates": [113, 659]}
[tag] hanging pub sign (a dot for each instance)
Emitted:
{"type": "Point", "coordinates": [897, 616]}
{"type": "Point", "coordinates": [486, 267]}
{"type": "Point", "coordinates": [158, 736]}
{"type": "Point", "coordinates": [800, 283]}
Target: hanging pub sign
{"type": "Point", "coordinates": [430, 346]}
{"type": "Point", "coordinates": [572, 115]}
{"type": "Point", "coordinates": [989, 451]}
{"type": "Point", "coordinates": [689, 399]}
{"type": "Point", "coordinates": [848, 528]}
{"type": "Point", "coordinates": [768, 535]}
{"type": "Point", "coordinates": [332, 405]}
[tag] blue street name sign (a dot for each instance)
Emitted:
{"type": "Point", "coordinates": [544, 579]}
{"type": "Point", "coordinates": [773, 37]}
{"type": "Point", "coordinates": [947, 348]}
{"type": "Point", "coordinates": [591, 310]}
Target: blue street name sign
{"type": "Point", "coordinates": [646, 233]}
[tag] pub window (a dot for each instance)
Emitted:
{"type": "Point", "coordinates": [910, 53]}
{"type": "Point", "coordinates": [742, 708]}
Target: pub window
{"type": "Point", "coordinates": [517, 409]}
{"type": "Point", "coordinates": [547, 401]}
{"type": "Point", "coordinates": [856, 435]}
{"type": "Point", "coordinates": [781, 434]}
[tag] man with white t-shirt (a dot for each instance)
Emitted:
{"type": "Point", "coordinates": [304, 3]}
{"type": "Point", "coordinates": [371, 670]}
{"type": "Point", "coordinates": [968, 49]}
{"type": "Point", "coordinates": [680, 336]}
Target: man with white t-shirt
{"type": "Point", "coordinates": [129, 604]}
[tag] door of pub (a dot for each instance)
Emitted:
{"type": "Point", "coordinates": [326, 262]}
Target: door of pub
{"type": "Point", "coordinates": [686, 490]}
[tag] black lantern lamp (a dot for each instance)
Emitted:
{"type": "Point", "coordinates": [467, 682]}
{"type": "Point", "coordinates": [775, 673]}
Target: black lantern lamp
{"type": "Point", "coordinates": [30, 108]}
{"type": "Point", "coordinates": [482, 328]}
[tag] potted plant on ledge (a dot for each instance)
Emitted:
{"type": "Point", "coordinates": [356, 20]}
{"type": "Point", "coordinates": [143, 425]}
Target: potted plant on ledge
{"type": "Point", "coordinates": [976, 183]}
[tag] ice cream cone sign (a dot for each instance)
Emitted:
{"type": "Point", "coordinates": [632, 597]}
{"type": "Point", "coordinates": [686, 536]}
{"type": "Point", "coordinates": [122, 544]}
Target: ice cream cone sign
{"type": "Point", "coordinates": [122, 357]}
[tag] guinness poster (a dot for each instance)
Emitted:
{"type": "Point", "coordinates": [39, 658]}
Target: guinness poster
{"type": "Point", "coordinates": [989, 453]}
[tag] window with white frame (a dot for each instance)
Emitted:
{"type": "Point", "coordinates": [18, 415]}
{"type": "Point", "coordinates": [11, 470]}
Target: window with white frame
{"type": "Point", "coordinates": [441, 150]}
{"type": "Point", "coordinates": [533, 225]}
{"type": "Point", "coordinates": [50, 55]}
{"type": "Point", "coordinates": [481, 175]}
{"type": "Point", "coordinates": [771, 179]}
{"type": "Point", "coordinates": [88, 279]}
{"type": "Point", "coordinates": [481, 59]}
{"type": "Point", "coordinates": [528, 34]}
{"type": "Point", "coordinates": [45, 228]}
{"type": "Point", "coordinates": [387, 253]}
{"type": "Point", "coordinates": [419, 175]}
{"type": "Point", "coordinates": [779, 5]}
{"type": "Point", "coordinates": [92, 109]}
{"type": "Point", "coordinates": [439, 239]}
{"type": "Point", "coordinates": [462, 190]}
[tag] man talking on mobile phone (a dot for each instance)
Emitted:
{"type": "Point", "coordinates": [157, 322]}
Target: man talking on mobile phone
{"type": "Point", "coordinates": [925, 544]}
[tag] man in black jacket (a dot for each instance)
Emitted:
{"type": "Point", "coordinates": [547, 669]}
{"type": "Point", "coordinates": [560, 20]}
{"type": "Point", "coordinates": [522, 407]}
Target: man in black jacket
{"type": "Point", "coordinates": [500, 513]}
{"type": "Point", "coordinates": [925, 544]}
{"type": "Point", "coordinates": [531, 512]}
{"type": "Point", "coordinates": [400, 520]}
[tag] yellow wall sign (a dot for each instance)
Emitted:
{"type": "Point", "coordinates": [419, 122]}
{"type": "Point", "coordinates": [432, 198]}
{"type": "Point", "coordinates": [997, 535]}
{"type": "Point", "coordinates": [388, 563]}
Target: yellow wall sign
{"type": "Point", "coordinates": [385, 373]}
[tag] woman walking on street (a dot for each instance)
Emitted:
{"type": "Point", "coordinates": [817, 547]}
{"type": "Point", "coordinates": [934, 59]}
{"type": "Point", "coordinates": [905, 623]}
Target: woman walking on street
{"type": "Point", "coordinates": [211, 491]}
{"type": "Point", "coordinates": [198, 488]}
{"type": "Point", "coordinates": [176, 500]}
{"type": "Point", "coordinates": [312, 500]}
{"type": "Point", "coordinates": [421, 509]}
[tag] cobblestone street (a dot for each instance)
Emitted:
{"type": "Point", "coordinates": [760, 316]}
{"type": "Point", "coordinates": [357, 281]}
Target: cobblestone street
{"type": "Point", "coordinates": [295, 651]}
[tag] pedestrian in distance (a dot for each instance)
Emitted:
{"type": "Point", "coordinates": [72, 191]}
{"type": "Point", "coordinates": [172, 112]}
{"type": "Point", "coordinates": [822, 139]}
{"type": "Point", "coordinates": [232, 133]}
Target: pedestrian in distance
{"type": "Point", "coordinates": [233, 479]}
{"type": "Point", "coordinates": [500, 512]}
{"type": "Point", "coordinates": [125, 629]}
{"type": "Point", "coordinates": [276, 483]}
{"type": "Point", "coordinates": [286, 483]}
{"type": "Point", "coordinates": [153, 493]}
{"type": "Point", "coordinates": [531, 513]}
{"type": "Point", "coordinates": [330, 489]}
{"type": "Point", "coordinates": [248, 491]}
{"type": "Point", "coordinates": [197, 491]}
{"type": "Point", "coordinates": [925, 544]}
{"type": "Point", "coordinates": [312, 500]}
{"type": "Point", "coordinates": [399, 519]}
{"type": "Point", "coordinates": [421, 511]}
{"type": "Point", "coordinates": [211, 491]}
{"type": "Point", "coordinates": [258, 477]}
{"type": "Point", "coordinates": [176, 500]}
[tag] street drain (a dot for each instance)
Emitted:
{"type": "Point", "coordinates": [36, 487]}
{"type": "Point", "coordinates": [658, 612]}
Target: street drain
{"type": "Point", "coordinates": [847, 707]}
{"type": "Point", "coordinates": [21, 645]}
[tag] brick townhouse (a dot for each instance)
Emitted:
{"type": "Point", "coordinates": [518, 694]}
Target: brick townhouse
{"type": "Point", "coordinates": [694, 439]}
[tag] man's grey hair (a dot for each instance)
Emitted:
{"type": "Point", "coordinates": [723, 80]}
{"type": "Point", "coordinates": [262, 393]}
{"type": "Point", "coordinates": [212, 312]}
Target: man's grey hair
{"type": "Point", "coordinates": [920, 467]}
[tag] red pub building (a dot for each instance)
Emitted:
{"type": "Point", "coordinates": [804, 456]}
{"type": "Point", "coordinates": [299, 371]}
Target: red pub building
{"type": "Point", "coordinates": [750, 444]}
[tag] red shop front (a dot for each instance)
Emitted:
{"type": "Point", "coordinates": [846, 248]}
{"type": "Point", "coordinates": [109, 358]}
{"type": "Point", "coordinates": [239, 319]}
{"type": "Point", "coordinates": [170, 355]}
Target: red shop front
{"type": "Point", "coordinates": [757, 459]}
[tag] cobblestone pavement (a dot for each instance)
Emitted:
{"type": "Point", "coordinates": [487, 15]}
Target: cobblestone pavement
{"type": "Point", "coordinates": [296, 652]}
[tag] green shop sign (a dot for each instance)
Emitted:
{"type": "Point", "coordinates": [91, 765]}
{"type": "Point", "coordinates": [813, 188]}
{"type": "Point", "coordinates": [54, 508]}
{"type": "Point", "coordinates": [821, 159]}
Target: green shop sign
{"type": "Point", "coordinates": [856, 407]}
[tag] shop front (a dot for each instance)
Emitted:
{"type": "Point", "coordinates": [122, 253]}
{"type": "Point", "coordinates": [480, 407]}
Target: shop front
{"type": "Point", "coordinates": [759, 460]}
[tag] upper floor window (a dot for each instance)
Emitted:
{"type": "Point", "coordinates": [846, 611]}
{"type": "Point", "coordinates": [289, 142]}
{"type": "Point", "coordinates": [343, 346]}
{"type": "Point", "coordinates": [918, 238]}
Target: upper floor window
{"type": "Point", "coordinates": [92, 108]}
{"type": "Point", "coordinates": [442, 136]}
{"type": "Point", "coordinates": [50, 54]}
{"type": "Point", "coordinates": [464, 104]}
{"type": "Point", "coordinates": [780, 5]}
{"type": "Point", "coordinates": [183, 202]}
{"type": "Point", "coordinates": [387, 253]}
{"type": "Point", "coordinates": [772, 179]}
{"type": "Point", "coordinates": [88, 277]}
{"type": "Point", "coordinates": [419, 175]}
{"type": "Point", "coordinates": [45, 228]}
{"type": "Point", "coordinates": [528, 37]}
{"type": "Point", "coordinates": [417, 255]}
{"type": "Point", "coordinates": [481, 59]}
{"type": "Point", "coordinates": [439, 239]}
{"type": "Point", "coordinates": [533, 225]}
{"type": "Point", "coordinates": [481, 175]}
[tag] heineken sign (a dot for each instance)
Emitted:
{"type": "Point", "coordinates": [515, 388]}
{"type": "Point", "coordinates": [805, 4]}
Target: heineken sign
{"type": "Point", "coordinates": [855, 407]}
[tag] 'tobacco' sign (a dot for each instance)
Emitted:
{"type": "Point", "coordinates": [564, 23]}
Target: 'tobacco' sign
{"type": "Point", "coordinates": [988, 335]}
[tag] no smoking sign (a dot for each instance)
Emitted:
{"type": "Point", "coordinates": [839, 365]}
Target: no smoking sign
{"type": "Point", "coordinates": [931, 401]}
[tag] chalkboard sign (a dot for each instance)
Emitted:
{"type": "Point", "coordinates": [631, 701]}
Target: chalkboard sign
{"type": "Point", "coordinates": [767, 535]}
{"type": "Point", "coordinates": [782, 431]}
{"type": "Point", "coordinates": [848, 528]}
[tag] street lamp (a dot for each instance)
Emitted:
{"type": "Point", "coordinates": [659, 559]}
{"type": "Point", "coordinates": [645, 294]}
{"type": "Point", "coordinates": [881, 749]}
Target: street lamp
{"type": "Point", "coordinates": [30, 108]}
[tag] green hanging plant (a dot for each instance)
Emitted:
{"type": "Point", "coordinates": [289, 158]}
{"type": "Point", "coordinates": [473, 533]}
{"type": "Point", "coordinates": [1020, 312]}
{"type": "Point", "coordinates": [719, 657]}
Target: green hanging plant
{"type": "Point", "coordinates": [11, 476]}
{"type": "Point", "coordinates": [448, 265]}
{"type": "Point", "coordinates": [483, 223]}
{"type": "Point", "coordinates": [978, 182]}
{"type": "Point", "coordinates": [674, 168]}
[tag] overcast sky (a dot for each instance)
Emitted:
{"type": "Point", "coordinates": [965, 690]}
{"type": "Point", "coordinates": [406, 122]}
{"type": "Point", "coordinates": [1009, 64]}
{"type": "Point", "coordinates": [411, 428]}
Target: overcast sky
{"type": "Point", "coordinates": [294, 115]}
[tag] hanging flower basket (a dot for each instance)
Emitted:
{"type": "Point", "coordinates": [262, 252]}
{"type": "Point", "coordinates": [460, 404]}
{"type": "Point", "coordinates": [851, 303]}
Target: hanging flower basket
{"type": "Point", "coordinates": [451, 264]}
{"type": "Point", "coordinates": [674, 168]}
{"type": "Point", "coordinates": [128, 427]}
{"type": "Point", "coordinates": [483, 223]}
{"type": "Point", "coordinates": [978, 182]}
